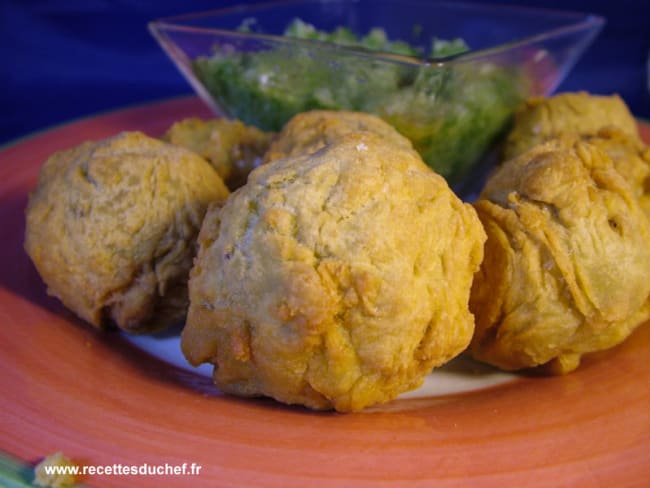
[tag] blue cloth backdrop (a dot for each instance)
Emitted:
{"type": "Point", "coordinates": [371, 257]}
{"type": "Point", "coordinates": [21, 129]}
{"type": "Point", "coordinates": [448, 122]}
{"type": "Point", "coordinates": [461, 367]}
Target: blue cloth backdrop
{"type": "Point", "coordinates": [63, 59]}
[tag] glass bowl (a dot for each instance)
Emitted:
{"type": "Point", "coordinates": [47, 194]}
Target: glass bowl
{"type": "Point", "coordinates": [452, 107]}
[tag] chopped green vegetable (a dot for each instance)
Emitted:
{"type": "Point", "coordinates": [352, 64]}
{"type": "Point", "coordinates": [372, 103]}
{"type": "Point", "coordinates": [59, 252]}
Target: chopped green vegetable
{"type": "Point", "coordinates": [451, 112]}
{"type": "Point", "coordinates": [375, 40]}
{"type": "Point", "coordinates": [440, 48]}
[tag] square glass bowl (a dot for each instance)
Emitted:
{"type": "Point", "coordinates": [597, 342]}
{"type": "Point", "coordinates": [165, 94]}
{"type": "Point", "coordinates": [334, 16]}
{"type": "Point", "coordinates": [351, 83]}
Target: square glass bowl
{"type": "Point", "coordinates": [452, 108]}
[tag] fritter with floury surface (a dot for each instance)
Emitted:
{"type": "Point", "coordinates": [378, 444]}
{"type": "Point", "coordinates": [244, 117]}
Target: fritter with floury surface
{"type": "Point", "coordinates": [307, 132]}
{"type": "Point", "coordinates": [231, 147]}
{"type": "Point", "coordinates": [336, 279]}
{"type": "Point", "coordinates": [112, 226]}
{"type": "Point", "coordinates": [580, 113]}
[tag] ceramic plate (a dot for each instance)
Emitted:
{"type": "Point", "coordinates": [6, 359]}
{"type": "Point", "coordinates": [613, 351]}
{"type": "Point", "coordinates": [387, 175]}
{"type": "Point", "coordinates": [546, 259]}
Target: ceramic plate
{"type": "Point", "coordinates": [104, 399]}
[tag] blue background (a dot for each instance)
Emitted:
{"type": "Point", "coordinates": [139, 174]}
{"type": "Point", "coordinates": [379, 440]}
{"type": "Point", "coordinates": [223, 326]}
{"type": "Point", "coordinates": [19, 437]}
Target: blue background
{"type": "Point", "coordinates": [66, 59]}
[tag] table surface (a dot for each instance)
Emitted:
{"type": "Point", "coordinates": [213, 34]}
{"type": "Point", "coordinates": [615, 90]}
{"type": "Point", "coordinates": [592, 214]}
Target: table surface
{"type": "Point", "coordinates": [63, 60]}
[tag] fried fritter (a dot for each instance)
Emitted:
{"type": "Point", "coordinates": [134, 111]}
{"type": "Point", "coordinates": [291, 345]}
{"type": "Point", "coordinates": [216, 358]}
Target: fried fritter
{"type": "Point", "coordinates": [604, 121]}
{"type": "Point", "coordinates": [112, 227]}
{"type": "Point", "coordinates": [540, 119]}
{"type": "Point", "coordinates": [567, 259]}
{"type": "Point", "coordinates": [234, 149]}
{"type": "Point", "coordinates": [307, 132]}
{"type": "Point", "coordinates": [334, 280]}
{"type": "Point", "coordinates": [631, 158]}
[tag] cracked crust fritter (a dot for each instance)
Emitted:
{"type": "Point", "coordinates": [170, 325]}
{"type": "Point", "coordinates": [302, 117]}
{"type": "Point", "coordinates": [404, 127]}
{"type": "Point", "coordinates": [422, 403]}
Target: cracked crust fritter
{"type": "Point", "coordinates": [580, 113]}
{"type": "Point", "coordinates": [233, 148]}
{"type": "Point", "coordinates": [310, 131]}
{"type": "Point", "coordinates": [567, 259]}
{"type": "Point", "coordinates": [334, 280]}
{"type": "Point", "coordinates": [112, 227]}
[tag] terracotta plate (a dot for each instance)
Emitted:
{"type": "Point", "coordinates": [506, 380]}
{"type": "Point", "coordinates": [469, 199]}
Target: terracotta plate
{"type": "Point", "coordinates": [104, 400]}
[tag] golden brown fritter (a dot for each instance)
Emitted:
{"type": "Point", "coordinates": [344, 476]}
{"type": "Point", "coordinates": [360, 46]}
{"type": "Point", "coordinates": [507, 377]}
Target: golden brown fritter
{"type": "Point", "coordinates": [234, 149]}
{"type": "Point", "coordinates": [112, 227]}
{"type": "Point", "coordinates": [307, 132]}
{"type": "Point", "coordinates": [334, 280]}
{"type": "Point", "coordinates": [567, 259]}
{"type": "Point", "coordinates": [540, 119]}
{"type": "Point", "coordinates": [601, 120]}
{"type": "Point", "coordinates": [631, 158]}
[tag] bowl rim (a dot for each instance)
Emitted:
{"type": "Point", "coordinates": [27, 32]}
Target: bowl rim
{"type": "Point", "coordinates": [576, 21]}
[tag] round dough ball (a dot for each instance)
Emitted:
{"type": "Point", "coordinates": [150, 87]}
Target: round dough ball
{"type": "Point", "coordinates": [567, 259]}
{"type": "Point", "coordinates": [112, 227]}
{"type": "Point", "coordinates": [307, 132]}
{"type": "Point", "coordinates": [231, 147]}
{"type": "Point", "coordinates": [334, 280]}
{"type": "Point", "coordinates": [604, 121]}
{"type": "Point", "coordinates": [540, 119]}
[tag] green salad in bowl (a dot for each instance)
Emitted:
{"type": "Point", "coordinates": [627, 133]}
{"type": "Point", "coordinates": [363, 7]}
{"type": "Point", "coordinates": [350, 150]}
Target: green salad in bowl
{"type": "Point", "coordinates": [446, 76]}
{"type": "Point", "coordinates": [450, 113]}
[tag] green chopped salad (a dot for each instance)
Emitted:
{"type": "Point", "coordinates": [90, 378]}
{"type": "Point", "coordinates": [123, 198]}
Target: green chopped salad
{"type": "Point", "coordinates": [452, 112]}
